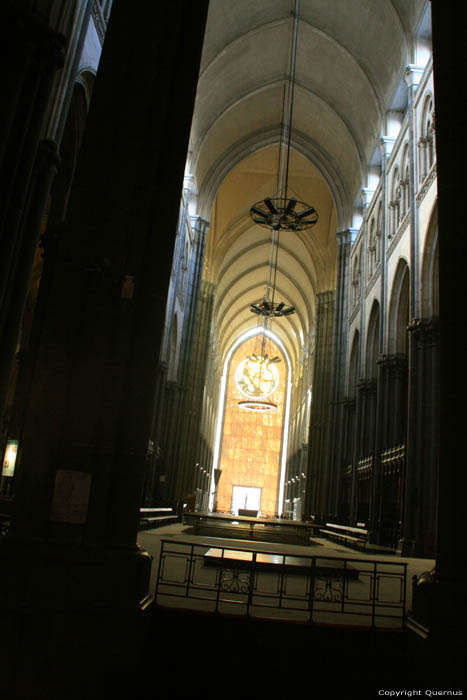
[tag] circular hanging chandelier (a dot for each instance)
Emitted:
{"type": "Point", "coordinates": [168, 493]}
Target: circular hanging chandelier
{"type": "Point", "coordinates": [283, 214]}
{"type": "Point", "coordinates": [258, 406]}
{"type": "Point", "coordinates": [278, 213]}
{"type": "Point", "coordinates": [272, 309]}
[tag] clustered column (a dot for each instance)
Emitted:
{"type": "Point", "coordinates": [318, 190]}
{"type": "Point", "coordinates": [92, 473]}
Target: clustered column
{"type": "Point", "coordinates": [318, 478]}
{"type": "Point", "coordinates": [422, 440]}
{"type": "Point", "coordinates": [339, 423]}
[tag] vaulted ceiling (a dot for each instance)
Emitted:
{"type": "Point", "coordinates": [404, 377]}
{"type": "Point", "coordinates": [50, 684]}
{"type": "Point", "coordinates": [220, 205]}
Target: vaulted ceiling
{"type": "Point", "coordinates": [351, 55]}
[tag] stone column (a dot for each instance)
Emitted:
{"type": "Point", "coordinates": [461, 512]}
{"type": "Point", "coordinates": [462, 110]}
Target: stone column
{"type": "Point", "coordinates": [422, 441]}
{"type": "Point", "coordinates": [380, 423]}
{"type": "Point", "coordinates": [399, 401]}
{"type": "Point", "coordinates": [89, 416]}
{"type": "Point", "coordinates": [365, 389]}
{"type": "Point", "coordinates": [192, 382]}
{"type": "Point", "coordinates": [339, 358]}
{"type": "Point", "coordinates": [154, 490]}
{"type": "Point", "coordinates": [412, 76]}
{"type": "Point", "coordinates": [170, 434]}
{"type": "Point", "coordinates": [370, 389]}
{"type": "Point", "coordinates": [364, 442]}
{"type": "Point", "coordinates": [386, 145]}
{"type": "Point", "coordinates": [356, 454]}
{"type": "Point", "coordinates": [346, 467]}
{"type": "Point", "coordinates": [318, 474]}
{"type": "Point", "coordinates": [394, 399]}
{"type": "Point", "coordinates": [201, 381]}
{"type": "Point", "coordinates": [393, 443]}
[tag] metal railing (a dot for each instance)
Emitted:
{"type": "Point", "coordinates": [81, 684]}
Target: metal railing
{"type": "Point", "coordinates": [231, 580]}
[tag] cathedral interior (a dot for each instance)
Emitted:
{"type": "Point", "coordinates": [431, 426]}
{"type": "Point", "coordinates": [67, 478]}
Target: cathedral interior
{"type": "Point", "coordinates": [231, 246]}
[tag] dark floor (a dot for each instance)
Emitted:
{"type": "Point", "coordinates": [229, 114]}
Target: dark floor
{"type": "Point", "coordinates": [190, 652]}
{"type": "Point", "coordinates": [193, 654]}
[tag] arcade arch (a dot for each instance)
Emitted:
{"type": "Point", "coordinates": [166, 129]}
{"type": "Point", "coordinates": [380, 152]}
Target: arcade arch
{"type": "Point", "coordinates": [251, 444]}
{"type": "Point", "coordinates": [399, 310]}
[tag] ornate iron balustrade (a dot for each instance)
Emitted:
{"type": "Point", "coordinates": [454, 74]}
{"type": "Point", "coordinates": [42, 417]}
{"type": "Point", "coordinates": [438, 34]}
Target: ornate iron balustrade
{"type": "Point", "coordinates": [314, 588]}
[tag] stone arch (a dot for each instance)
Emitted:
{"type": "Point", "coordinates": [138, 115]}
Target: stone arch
{"type": "Point", "coordinates": [379, 231]}
{"type": "Point", "coordinates": [231, 427]}
{"type": "Point", "coordinates": [173, 350]}
{"type": "Point", "coordinates": [399, 309]}
{"type": "Point", "coordinates": [430, 270]}
{"type": "Point", "coordinates": [405, 181]}
{"type": "Point", "coordinates": [372, 343]}
{"type": "Point", "coordinates": [106, 7]}
{"type": "Point", "coordinates": [354, 366]}
{"type": "Point", "coordinates": [372, 247]}
{"type": "Point", "coordinates": [356, 275]}
{"type": "Point", "coordinates": [86, 79]}
{"type": "Point", "coordinates": [395, 202]}
{"type": "Point", "coordinates": [426, 143]}
{"type": "Point", "coordinates": [259, 141]}
{"type": "Point", "coordinates": [69, 150]}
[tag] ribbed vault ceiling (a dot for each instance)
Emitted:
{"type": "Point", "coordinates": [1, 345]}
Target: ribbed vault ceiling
{"type": "Point", "coordinates": [350, 57]}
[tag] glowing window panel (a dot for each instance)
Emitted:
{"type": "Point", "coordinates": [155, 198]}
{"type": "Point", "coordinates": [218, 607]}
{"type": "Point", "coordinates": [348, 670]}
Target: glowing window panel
{"type": "Point", "coordinates": [256, 377]}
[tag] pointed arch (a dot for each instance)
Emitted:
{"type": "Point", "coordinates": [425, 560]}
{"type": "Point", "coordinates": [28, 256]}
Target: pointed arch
{"type": "Point", "coordinates": [372, 248]}
{"type": "Point", "coordinates": [399, 309]}
{"type": "Point", "coordinates": [173, 350]}
{"type": "Point", "coordinates": [426, 142]}
{"type": "Point", "coordinates": [395, 202]}
{"type": "Point", "coordinates": [379, 232]}
{"type": "Point", "coordinates": [356, 278]}
{"type": "Point", "coordinates": [354, 366]}
{"type": "Point", "coordinates": [372, 343]}
{"type": "Point", "coordinates": [250, 454]}
{"type": "Point", "coordinates": [405, 182]}
{"type": "Point", "coordinates": [430, 270]}
{"type": "Point", "coordinates": [226, 379]}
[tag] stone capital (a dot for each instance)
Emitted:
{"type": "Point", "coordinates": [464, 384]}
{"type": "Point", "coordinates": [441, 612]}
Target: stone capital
{"type": "Point", "coordinates": [386, 145]}
{"type": "Point", "coordinates": [367, 195]}
{"type": "Point", "coordinates": [347, 235]}
{"type": "Point", "coordinates": [425, 330]}
{"type": "Point", "coordinates": [325, 299]}
{"type": "Point", "coordinates": [199, 224]}
{"type": "Point", "coordinates": [188, 183]}
{"type": "Point", "coordinates": [348, 402]}
{"type": "Point", "coordinates": [413, 75]}
{"type": "Point", "coordinates": [367, 386]}
{"type": "Point", "coordinates": [396, 364]}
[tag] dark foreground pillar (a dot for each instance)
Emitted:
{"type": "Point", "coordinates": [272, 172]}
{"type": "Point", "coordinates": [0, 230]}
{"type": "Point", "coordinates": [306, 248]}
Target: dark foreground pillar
{"type": "Point", "coordinates": [73, 580]}
{"type": "Point", "coordinates": [34, 52]}
{"type": "Point", "coordinates": [438, 614]}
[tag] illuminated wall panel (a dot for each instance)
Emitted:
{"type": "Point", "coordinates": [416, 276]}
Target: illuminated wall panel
{"type": "Point", "coordinates": [251, 441]}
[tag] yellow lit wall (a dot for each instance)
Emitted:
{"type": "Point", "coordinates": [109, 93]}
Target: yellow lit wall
{"type": "Point", "coordinates": [251, 442]}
